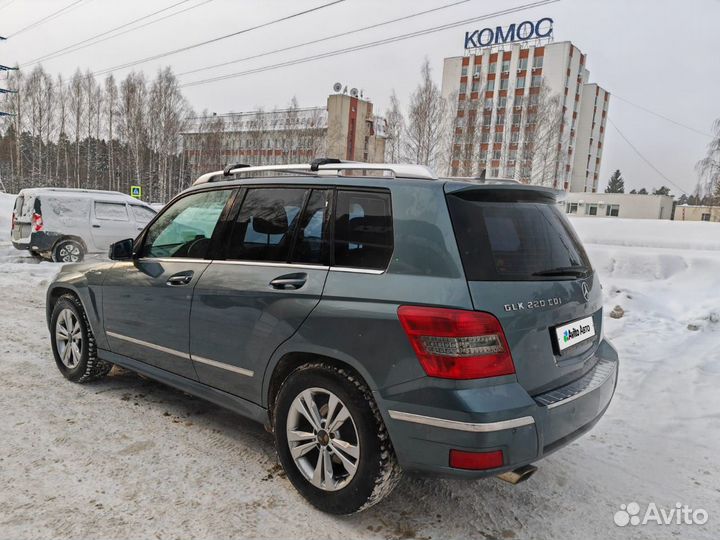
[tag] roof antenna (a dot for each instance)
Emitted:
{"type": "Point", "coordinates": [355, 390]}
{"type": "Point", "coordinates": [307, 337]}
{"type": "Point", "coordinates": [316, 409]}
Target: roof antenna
{"type": "Point", "coordinates": [481, 176]}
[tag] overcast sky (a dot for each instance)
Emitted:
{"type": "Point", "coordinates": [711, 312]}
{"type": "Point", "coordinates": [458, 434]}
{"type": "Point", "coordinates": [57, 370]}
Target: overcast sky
{"type": "Point", "coordinates": [661, 54]}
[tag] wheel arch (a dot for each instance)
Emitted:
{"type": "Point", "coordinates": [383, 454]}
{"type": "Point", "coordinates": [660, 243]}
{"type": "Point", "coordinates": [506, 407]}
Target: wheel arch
{"type": "Point", "coordinates": [284, 363]}
{"type": "Point", "coordinates": [72, 237]}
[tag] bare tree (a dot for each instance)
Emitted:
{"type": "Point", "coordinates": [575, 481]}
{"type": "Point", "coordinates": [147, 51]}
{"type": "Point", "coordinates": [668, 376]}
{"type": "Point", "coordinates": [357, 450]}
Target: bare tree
{"type": "Point", "coordinates": [395, 127]}
{"type": "Point", "coordinates": [708, 168]}
{"type": "Point", "coordinates": [427, 127]}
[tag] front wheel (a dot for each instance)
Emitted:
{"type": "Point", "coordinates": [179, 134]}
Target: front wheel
{"type": "Point", "coordinates": [331, 440]}
{"type": "Point", "coordinates": [68, 251]}
{"type": "Point", "coordinates": [73, 343]}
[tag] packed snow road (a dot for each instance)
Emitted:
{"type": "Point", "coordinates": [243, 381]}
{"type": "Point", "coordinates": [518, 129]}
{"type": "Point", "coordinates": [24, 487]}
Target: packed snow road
{"type": "Point", "coordinates": [130, 458]}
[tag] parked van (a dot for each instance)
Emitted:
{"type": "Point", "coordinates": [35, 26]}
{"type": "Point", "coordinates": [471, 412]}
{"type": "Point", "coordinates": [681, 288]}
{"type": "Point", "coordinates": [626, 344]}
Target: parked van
{"type": "Point", "coordinates": [65, 224]}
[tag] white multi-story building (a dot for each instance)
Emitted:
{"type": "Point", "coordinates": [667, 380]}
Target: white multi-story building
{"type": "Point", "coordinates": [526, 110]}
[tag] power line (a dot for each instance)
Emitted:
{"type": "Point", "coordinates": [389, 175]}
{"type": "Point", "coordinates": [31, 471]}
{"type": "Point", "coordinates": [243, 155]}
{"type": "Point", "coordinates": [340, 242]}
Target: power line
{"type": "Point", "coordinates": [215, 40]}
{"type": "Point", "coordinates": [662, 116]}
{"type": "Point", "coordinates": [53, 15]}
{"type": "Point", "coordinates": [95, 39]}
{"type": "Point", "coordinates": [647, 161]}
{"type": "Point", "coordinates": [369, 45]}
{"type": "Point", "coordinates": [342, 34]}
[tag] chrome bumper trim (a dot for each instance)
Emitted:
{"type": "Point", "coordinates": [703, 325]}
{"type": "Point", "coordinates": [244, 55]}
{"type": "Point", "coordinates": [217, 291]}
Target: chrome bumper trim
{"type": "Point", "coordinates": [462, 426]}
{"type": "Point", "coordinates": [593, 379]}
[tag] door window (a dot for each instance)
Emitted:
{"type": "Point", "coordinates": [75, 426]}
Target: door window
{"type": "Point", "coordinates": [363, 230]}
{"type": "Point", "coordinates": [111, 211]}
{"type": "Point", "coordinates": [142, 214]}
{"type": "Point", "coordinates": [311, 243]}
{"type": "Point", "coordinates": [186, 227]}
{"type": "Point", "coordinates": [265, 225]}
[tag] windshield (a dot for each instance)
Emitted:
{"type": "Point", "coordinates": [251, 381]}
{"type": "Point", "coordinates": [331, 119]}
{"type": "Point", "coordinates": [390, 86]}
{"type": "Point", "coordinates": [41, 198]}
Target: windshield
{"type": "Point", "coordinates": [501, 240]}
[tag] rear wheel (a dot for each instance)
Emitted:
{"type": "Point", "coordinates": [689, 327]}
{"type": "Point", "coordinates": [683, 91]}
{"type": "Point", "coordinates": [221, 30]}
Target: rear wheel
{"type": "Point", "coordinates": [73, 342]}
{"type": "Point", "coordinates": [68, 251]}
{"type": "Point", "coordinates": [331, 440]}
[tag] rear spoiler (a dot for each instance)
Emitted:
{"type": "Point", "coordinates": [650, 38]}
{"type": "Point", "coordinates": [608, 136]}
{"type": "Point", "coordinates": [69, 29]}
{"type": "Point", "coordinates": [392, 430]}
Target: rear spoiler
{"type": "Point", "coordinates": [504, 191]}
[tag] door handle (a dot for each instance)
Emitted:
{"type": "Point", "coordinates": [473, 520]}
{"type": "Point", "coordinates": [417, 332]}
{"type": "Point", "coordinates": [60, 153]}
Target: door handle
{"type": "Point", "coordinates": [180, 279]}
{"type": "Point", "coordinates": [289, 281]}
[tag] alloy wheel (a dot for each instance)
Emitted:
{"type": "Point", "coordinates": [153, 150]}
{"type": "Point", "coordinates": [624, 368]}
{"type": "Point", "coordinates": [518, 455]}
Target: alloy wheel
{"type": "Point", "coordinates": [69, 253]}
{"type": "Point", "coordinates": [68, 338]}
{"type": "Point", "coordinates": [323, 439]}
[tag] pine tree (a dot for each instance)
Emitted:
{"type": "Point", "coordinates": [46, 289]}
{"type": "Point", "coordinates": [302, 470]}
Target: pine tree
{"type": "Point", "coordinates": [616, 183]}
{"type": "Point", "coordinates": [642, 191]}
{"type": "Point", "coordinates": [662, 190]}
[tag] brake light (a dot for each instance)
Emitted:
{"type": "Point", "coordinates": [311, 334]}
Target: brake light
{"type": "Point", "coordinates": [12, 223]}
{"type": "Point", "coordinates": [476, 460]}
{"type": "Point", "coordinates": [37, 222]}
{"type": "Point", "coordinates": [457, 344]}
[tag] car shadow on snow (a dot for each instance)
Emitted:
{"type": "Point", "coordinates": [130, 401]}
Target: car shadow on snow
{"type": "Point", "coordinates": [418, 507]}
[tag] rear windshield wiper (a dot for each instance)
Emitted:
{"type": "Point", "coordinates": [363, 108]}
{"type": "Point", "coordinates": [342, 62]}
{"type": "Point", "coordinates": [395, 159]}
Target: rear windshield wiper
{"type": "Point", "coordinates": [572, 271]}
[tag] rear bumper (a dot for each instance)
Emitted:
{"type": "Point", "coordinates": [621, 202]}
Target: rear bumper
{"type": "Point", "coordinates": [39, 242]}
{"type": "Point", "coordinates": [499, 417]}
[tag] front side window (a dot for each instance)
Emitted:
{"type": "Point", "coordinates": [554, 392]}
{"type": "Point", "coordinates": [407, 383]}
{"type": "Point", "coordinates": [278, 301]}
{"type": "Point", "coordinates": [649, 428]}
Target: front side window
{"type": "Point", "coordinates": [186, 227]}
{"type": "Point", "coordinates": [264, 228]}
{"type": "Point", "coordinates": [111, 211]}
{"type": "Point", "coordinates": [142, 215]}
{"type": "Point", "coordinates": [363, 230]}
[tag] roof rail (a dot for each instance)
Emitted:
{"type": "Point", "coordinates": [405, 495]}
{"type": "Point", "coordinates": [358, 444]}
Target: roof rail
{"type": "Point", "coordinates": [320, 166]}
{"type": "Point", "coordinates": [483, 180]}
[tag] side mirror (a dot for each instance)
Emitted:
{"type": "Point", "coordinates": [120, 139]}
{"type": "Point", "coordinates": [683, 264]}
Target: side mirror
{"type": "Point", "coordinates": [122, 250]}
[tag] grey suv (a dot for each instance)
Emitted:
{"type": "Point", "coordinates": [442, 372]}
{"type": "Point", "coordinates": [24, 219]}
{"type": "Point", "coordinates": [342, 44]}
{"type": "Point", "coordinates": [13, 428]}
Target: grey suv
{"type": "Point", "coordinates": [371, 322]}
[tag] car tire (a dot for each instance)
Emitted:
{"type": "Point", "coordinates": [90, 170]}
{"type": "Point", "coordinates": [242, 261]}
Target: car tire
{"type": "Point", "coordinates": [335, 478]}
{"type": "Point", "coordinates": [73, 343]}
{"type": "Point", "coordinates": [68, 251]}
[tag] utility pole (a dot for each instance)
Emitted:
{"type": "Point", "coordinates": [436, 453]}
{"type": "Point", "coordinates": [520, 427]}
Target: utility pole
{"type": "Point", "coordinates": [3, 113]}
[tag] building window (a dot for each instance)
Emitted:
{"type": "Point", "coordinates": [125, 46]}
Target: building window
{"type": "Point", "coordinates": [538, 62]}
{"type": "Point", "coordinates": [522, 64]}
{"type": "Point", "coordinates": [504, 84]}
{"type": "Point", "coordinates": [463, 71]}
{"type": "Point", "coordinates": [493, 68]}
{"type": "Point", "coordinates": [612, 210]}
{"type": "Point", "coordinates": [500, 119]}
{"type": "Point", "coordinates": [499, 136]}
{"type": "Point", "coordinates": [520, 82]}
{"type": "Point", "coordinates": [463, 88]}
{"type": "Point", "coordinates": [506, 65]}
{"type": "Point", "coordinates": [475, 85]}
{"type": "Point", "coordinates": [705, 217]}
{"type": "Point", "coordinates": [496, 155]}
{"type": "Point", "coordinates": [515, 136]}
{"type": "Point", "coordinates": [571, 208]}
{"type": "Point", "coordinates": [591, 209]}
{"type": "Point", "coordinates": [488, 103]}
{"type": "Point", "coordinates": [491, 85]}
{"type": "Point", "coordinates": [516, 119]}
{"type": "Point", "coordinates": [486, 119]}
{"type": "Point", "coordinates": [502, 102]}
{"type": "Point", "coordinates": [495, 173]}
{"type": "Point", "coordinates": [536, 81]}
{"type": "Point", "coordinates": [485, 137]}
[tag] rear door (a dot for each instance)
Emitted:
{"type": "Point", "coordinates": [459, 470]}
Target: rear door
{"type": "Point", "coordinates": [22, 218]}
{"type": "Point", "coordinates": [146, 301]}
{"type": "Point", "coordinates": [269, 276]}
{"type": "Point", "coordinates": [525, 265]}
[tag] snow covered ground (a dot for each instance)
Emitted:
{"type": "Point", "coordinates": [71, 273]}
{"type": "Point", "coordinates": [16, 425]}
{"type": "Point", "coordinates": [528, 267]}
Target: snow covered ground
{"type": "Point", "coordinates": [129, 458]}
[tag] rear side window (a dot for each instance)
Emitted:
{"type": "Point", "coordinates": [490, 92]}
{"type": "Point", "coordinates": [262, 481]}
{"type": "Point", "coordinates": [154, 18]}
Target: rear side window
{"type": "Point", "coordinates": [505, 240]}
{"type": "Point", "coordinates": [363, 230]}
{"type": "Point", "coordinates": [111, 211]}
{"type": "Point", "coordinates": [265, 225]}
{"type": "Point", "coordinates": [18, 205]}
{"type": "Point", "coordinates": [311, 244]}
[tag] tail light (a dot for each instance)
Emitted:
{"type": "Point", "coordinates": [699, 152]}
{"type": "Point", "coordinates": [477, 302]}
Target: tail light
{"type": "Point", "coordinates": [37, 222]}
{"type": "Point", "coordinates": [457, 344]}
{"type": "Point", "coordinates": [12, 223]}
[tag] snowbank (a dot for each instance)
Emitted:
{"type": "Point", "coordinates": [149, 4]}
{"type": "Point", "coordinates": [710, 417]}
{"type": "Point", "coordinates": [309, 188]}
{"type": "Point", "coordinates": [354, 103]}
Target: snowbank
{"type": "Point", "coordinates": [7, 203]}
{"type": "Point", "coordinates": [660, 233]}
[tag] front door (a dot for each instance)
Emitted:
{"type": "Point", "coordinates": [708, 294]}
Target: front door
{"type": "Point", "coordinates": [110, 222]}
{"type": "Point", "coordinates": [271, 276]}
{"type": "Point", "coordinates": [146, 302]}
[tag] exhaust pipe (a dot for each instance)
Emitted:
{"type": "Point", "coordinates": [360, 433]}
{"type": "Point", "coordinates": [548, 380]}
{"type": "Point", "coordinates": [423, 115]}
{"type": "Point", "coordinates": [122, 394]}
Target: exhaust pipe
{"type": "Point", "coordinates": [518, 475]}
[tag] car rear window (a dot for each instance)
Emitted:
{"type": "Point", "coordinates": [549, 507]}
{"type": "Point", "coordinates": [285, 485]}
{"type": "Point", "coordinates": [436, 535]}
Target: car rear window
{"type": "Point", "coordinates": [502, 238]}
